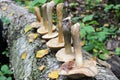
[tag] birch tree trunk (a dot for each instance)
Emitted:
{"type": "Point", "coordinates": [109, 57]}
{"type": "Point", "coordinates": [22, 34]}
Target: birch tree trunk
{"type": "Point", "coordinates": [17, 43]}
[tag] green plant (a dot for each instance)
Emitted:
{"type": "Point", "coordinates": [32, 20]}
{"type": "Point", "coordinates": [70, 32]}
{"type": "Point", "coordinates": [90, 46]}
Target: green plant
{"type": "Point", "coordinates": [95, 37]}
{"type": "Point", "coordinates": [87, 18]}
{"type": "Point", "coordinates": [5, 53]}
{"type": "Point", "coordinates": [5, 20]}
{"type": "Point", "coordinates": [117, 51]}
{"type": "Point", "coordinates": [113, 8]}
{"type": "Point", "coordinates": [95, 40]}
{"type": "Point", "coordinates": [40, 3]}
{"type": "Point", "coordinates": [5, 73]}
{"type": "Point", "coordinates": [58, 1]}
{"type": "Point", "coordinates": [108, 7]}
{"type": "Point", "coordinates": [91, 3]}
{"type": "Point", "coordinates": [36, 3]}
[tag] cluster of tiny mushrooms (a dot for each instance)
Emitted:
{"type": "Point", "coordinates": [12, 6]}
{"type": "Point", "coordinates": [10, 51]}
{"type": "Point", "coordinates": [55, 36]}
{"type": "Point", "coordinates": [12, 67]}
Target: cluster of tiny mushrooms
{"type": "Point", "coordinates": [74, 65]}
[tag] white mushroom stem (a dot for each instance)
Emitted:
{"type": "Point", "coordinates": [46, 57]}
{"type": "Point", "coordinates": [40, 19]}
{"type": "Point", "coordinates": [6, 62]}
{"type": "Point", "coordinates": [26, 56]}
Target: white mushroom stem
{"type": "Point", "coordinates": [45, 22]}
{"type": "Point", "coordinates": [75, 32]}
{"type": "Point", "coordinates": [50, 6]}
{"type": "Point", "coordinates": [67, 35]}
{"type": "Point", "coordinates": [38, 14]}
{"type": "Point", "coordinates": [59, 9]}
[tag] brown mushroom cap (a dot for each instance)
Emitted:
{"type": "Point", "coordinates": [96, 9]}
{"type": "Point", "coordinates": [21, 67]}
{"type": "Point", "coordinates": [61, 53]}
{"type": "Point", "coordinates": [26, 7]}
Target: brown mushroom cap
{"type": "Point", "coordinates": [87, 69]}
{"type": "Point", "coordinates": [50, 36]}
{"type": "Point", "coordinates": [43, 31]}
{"type": "Point", "coordinates": [53, 43]}
{"type": "Point", "coordinates": [61, 55]}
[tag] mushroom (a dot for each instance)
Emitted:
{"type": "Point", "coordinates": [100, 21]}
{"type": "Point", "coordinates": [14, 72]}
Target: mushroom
{"type": "Point", "coordinates": [78, 68]}
{"type": "Point", "coordinates": [58, 42]}
{"type": "Point", "coordinates": [75, 32]}
{"type": "Point", "coordinates": [38, 14]}
{"type": "Point", "coordinates": [44, 29]}
{"type": "Point", "coordinates": [66, 54]}
{"type": "Point", "coordinates": [50, 34]}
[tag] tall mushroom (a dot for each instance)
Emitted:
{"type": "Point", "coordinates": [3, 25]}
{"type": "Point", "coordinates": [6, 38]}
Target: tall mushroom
{"type": "Point", "coordinates": [66, 54]}
{"type": "Point", "coordinates": [50, 34]}
{"type": "Point", "coordinates": [39, 23]}
{"type": "Point", "coordinates": [78, 67]}
{"type": "Point", "coordinates": [38, 14]}
{"type": "Point", "coordinates": [44, 29]}
{"type": "Point", "coordinates": [75, 32]}
{"type": "Point", "coordinates": [58, 42]}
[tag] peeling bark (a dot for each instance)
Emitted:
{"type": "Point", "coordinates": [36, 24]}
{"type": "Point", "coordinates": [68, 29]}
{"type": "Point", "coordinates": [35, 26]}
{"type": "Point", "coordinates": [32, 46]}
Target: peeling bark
{"type": "Point", "coordinates": [17, 43]}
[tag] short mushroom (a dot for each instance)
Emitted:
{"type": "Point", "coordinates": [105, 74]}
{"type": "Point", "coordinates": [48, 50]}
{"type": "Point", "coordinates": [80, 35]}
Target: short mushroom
{"type": "Point", "coordinates": [44, 29]}
{"type": "Point", "coordinates": [66, 54]}
{"type": "Point", "coordinates": [58, 42]}
{"type": "Point", "coordinates": [78, 68]}
{"type": "Point", "coordinates": [50, 34]}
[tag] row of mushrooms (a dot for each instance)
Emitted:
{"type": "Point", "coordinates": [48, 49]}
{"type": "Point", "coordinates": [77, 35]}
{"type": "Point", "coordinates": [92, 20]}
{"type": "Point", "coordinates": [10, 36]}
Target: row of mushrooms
{"type": "Point", "coordinates": [74, 65]}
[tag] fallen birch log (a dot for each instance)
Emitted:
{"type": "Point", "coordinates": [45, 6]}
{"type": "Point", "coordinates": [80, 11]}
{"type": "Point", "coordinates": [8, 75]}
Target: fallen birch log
{"type": "Point", "coordinates": [27, 69]}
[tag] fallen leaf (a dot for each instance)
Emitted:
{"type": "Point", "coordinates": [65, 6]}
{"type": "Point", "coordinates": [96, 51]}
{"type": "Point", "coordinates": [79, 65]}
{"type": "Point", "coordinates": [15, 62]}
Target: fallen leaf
{"type": "Point", "coordinates": [35, 25]}
{"type": "Point", "coordinates": [106, 24]}
{"type": "Point", "coordinates": [82, 15]}
{"type": "Point", "coordinates": [4, 8]}
{"type": "Point", "coordinates": [93, 58]}
{"type": "Point", "coordinates": [98, 29]}
{"type": "Point", "coordinates": [24, 55]}
{"type": "Point", "coordinates": [82, 43]}
{"type": "Point", "coordinates": [41, 68]}
{"type": "Point", "coordinates": [95, 50]}
{"type": "Point", "coordinates": [41, 53]}
{"type": "Point", "coordinates": [27, 28]}
{"type": "Point", "coordinates": [12, 13]}
{"type": "Point", "coordinates": [32, 37]}
{"type": "Point", "coordinates": [53, 75]}
{"type": "Point", "coordinates": [87, 10]}
{"type": "Point", "coordinates": [53, 20]}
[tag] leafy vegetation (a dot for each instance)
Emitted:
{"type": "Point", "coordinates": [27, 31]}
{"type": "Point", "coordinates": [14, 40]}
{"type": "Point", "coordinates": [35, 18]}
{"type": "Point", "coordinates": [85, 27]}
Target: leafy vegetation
{"type": "Point", "coordinates": [117, 51]}
{"type": "Point", "coordinates": [5, 73]}
{"type": "Point", "coordinates": [97, 27]}
{"type": "Point", "coordinates": [5, 20]}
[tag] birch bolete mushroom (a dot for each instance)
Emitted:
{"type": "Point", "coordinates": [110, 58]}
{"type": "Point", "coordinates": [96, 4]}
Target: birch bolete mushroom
{"type": "Point", "coordinates": [58, 42]}
{"type": "Point", "coordinates": [38, 14]}
{"type": "Point", "coordinates": [50, 34]}
{"type": "Point", "coordinates": [44, 29]}
{"type": "Point", "coordinates": [66, 54]}
{"type": "Point", "coordinates": [78, 67]}
{"type": "Point", "coordinates": [75, 32]}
